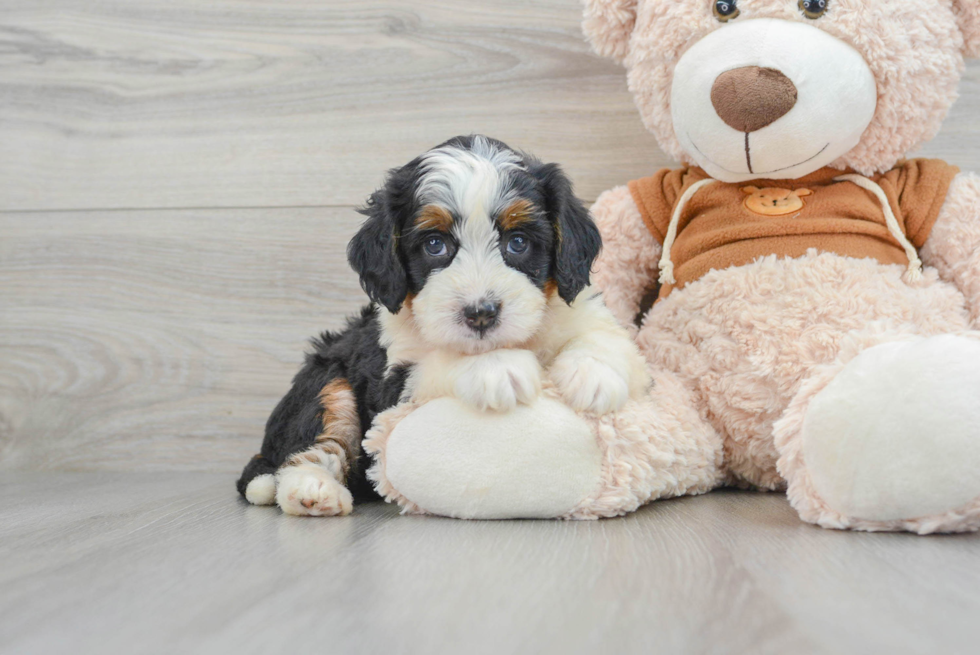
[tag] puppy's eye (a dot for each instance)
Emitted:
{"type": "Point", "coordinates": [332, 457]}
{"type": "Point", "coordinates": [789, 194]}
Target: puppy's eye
{"type": "Point", "coordinates": [435, 247]}
{"type": "Point", "coordinates": [725, 10]}
{"type": "Point", "coordinates": [517, 245]}
{"type": "Point", "coordinates": [814, 9]}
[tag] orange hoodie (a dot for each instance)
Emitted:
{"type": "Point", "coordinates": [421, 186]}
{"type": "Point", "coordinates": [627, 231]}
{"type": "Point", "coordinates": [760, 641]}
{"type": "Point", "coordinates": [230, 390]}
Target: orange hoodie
{"type": "Point", "coordinates": [726, 225]}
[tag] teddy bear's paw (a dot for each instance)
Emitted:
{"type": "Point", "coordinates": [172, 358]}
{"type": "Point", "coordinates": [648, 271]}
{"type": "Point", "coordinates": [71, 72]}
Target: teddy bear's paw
{"type": "Point", "coordinates": [588, 384]}
{"type": "Point", "coordinates": [312, 491]}
{"type": "Point", "coordinates": [500, 380]}
{"type": "Point", "coordinates": [896, 434]}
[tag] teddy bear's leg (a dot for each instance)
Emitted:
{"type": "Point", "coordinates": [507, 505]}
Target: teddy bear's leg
{"type": "Point", "coordinates": [543, 460]}
{"type": "Point", "coordinates": [888, 437]}
{"type": "Point", "coordinates": [658, 447]}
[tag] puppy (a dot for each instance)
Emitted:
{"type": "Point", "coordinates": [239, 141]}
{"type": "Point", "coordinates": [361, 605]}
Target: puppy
{"type": "Point", "coordinates": [477, 260]}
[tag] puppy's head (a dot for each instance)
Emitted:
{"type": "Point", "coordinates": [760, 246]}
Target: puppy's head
{"type": "Point", "coordinates": [477, 236]}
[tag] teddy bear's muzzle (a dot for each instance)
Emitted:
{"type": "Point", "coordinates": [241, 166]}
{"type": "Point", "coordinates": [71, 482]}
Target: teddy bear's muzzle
{"type": "Point", "coordinates": [769, 98]}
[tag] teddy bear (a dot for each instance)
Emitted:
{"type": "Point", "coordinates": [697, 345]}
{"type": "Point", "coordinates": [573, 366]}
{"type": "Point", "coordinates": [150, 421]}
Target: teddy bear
{"type": "Point", "coordinates": [815, 295]}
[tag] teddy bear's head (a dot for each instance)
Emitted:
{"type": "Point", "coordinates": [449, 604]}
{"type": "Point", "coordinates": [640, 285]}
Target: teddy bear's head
{"type": "Point", "coordinates": [751, 89]}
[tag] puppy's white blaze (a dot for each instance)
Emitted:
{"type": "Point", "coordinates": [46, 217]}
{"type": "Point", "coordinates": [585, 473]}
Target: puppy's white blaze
{"type": "Point", "coordinates": [467, 181]}
{"type": "Point", "coordinates": [478, 272]}
{"type": "Point", "coordinates": [472, 184]}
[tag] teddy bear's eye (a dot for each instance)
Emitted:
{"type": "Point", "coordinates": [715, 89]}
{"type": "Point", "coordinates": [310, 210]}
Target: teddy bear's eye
{"type": "Point", "coordinates": [725, 10]}
{"type": "Point", "coordinates": [814, 9]}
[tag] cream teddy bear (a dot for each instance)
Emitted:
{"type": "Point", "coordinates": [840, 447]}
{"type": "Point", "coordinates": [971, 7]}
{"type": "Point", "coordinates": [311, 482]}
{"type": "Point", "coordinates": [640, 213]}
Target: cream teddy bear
{"type": "Point", "coordinates": [829, 349]}
{"type": "Point", "coordinates": [817, 296]}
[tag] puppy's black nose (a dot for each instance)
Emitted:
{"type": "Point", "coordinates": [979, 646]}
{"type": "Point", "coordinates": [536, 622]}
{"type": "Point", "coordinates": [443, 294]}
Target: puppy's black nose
{"type": "Point", "coordinates": [482, 316]}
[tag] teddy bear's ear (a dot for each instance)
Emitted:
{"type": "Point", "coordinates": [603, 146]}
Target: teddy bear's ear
{"type": "Point", "coordinates": [749, 190]}
{"type": "Point", "coordinates": [608, 25]}
{"type": "Point", "coordinates": [968, 16]}
{"type": "Point", "coordinates": [799, 193]}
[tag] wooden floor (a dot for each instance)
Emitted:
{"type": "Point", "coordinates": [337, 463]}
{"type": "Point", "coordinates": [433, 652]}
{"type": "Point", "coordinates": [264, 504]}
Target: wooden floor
{"type": "Point", "coordinates": [176, 563]}
{"type": "Point", "coordinates": [177, 186]}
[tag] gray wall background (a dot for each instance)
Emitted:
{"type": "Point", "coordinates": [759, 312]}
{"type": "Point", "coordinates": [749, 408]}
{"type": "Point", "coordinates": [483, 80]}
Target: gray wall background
{"type": "Point", "coordinates": [177, 183]}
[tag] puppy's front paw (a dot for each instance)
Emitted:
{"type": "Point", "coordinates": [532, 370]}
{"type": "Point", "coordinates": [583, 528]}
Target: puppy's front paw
{"type": "Point", "coordinates": [588, 384]}
{"type": "Point", "coordinates": [499, 380]}
{"type": "Point", "coordinates": [312, 491]}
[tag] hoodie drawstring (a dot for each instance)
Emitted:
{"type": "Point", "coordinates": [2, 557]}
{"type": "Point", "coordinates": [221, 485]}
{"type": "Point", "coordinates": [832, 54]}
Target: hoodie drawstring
{"type": "Point", "coordinates": [913, 274]}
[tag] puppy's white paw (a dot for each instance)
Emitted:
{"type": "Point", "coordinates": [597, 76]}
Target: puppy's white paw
{"type": "Point", "coordinates": [588, 384]}
{"type": "Point", "coordinates": [499, 380]}
{"type": "Point", "coordinates": [311, 491]}
{"type": "Point", "coordinates": [261, 490]}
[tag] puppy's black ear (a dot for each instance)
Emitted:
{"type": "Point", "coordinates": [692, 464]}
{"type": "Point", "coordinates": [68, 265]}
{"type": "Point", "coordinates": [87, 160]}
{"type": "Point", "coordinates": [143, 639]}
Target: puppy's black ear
{"type": "Point", "coordinates": [373, 252]}
{"type": "Point", "coordinates": [577, 240]}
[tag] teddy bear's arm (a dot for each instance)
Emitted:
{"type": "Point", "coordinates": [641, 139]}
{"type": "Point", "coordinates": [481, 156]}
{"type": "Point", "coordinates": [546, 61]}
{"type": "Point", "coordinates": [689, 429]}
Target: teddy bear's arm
{"type": "Point", "coordinates": [953, 246]}
{"type": "Point", "coordinates": [627, 266]}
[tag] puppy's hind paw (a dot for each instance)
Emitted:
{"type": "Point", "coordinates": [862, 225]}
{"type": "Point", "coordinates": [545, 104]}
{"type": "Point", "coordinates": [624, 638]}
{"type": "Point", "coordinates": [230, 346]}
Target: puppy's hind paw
{"type": "Point", "coordinates": [588, 384]}
{"type": "Point", "coordinates": [310, 491]}
{"type": "Point", "coordinates": [261, 490]}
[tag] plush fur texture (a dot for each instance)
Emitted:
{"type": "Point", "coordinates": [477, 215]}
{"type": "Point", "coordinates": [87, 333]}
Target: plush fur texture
{"type": "Point", "coordinates": [896, 433]}
{"type": "Point", "coordinates": [656, 446]}
{"type": "Point", "coordinates": [627, 246]}
{"type": "Point", "coordinates": [967, 13]}
{"type": "Point", "coordinates": [746, 339]}
{"type": "Point", "coordinates": [747, 336]}
{"type": "Point", "coordinates": [782, 357]}
{"type": "Point", "coordinates": [953, 247]}
{"type": "Point", "coordinates": [914, 49]}
{"type": "Point", "coordinates": [789, 438]}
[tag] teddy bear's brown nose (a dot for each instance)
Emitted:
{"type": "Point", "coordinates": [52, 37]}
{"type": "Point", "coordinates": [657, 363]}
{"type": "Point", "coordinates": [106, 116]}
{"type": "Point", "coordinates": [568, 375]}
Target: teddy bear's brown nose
{"type": "Point", "coordinates": [750, 98]}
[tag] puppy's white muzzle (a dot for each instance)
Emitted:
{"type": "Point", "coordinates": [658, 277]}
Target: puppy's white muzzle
{"type": "Point", "coordinates": [478, 277]}
{"type": "Point", "coordinates": [774, 136]}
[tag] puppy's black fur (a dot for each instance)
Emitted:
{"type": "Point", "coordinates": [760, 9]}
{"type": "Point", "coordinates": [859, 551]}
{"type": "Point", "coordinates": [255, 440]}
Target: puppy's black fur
{"type": "Point", "coordinates": [578, 240]}
{"type": "Point", "coordinates": [385, 253]}
{"type": "Point", "coordinates": [353, 354]}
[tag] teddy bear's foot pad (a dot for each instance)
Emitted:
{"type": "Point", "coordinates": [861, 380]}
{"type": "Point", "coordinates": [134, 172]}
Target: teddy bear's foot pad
{"type": "Point", "coordinates": [896, 434]}
{"type": "Point", "coordinates": [535, 461]}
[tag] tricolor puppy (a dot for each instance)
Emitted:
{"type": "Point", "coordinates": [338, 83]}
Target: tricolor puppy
{"type": "Point", "coordinates": [477, 260]}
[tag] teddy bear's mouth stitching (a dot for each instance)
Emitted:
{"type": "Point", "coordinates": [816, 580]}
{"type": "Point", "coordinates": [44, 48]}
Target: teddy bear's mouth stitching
{"type": "Point", "coordinates": [818, 153]}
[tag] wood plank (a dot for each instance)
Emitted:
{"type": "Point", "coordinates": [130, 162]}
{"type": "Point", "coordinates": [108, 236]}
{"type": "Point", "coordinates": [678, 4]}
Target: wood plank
{"type": "Point", "coordinates": [159, 339]}
{"type": "Point", "coordinates": [131, 563]}
{"type": "Point", "coordinates": [115, 104]}
{"type": "Point", "coordinates": [959, 140]}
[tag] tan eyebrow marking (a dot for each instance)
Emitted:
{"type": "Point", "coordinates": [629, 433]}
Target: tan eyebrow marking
{"type": "Point", "coordinates": [434, 217]}
{"type": "Point", "coordinates": [516, 214]}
